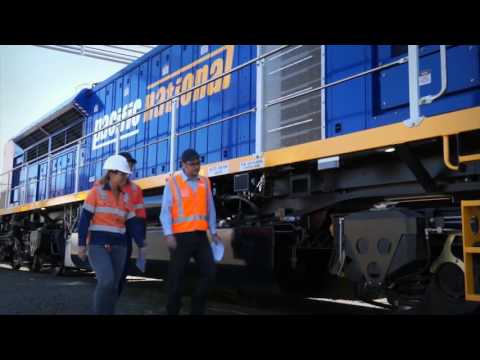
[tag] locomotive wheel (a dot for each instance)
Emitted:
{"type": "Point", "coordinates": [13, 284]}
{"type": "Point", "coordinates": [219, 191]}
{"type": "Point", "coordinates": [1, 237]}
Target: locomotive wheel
{"type": "Point", "coordinates": [446, 292]}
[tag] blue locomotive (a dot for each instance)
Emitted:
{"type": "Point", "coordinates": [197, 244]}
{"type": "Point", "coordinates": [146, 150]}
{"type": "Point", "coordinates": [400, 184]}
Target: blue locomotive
{"type": "Point", "coordinates": [356, 162]}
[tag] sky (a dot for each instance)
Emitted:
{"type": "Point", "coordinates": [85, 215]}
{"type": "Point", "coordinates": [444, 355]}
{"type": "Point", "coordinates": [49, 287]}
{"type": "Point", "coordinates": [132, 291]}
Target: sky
{"type": "Point", "coordinates": [35, 80]}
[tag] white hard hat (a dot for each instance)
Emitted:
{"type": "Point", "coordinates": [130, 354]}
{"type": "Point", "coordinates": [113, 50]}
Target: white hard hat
{"type": "Point", "coordinates": [117, 162]}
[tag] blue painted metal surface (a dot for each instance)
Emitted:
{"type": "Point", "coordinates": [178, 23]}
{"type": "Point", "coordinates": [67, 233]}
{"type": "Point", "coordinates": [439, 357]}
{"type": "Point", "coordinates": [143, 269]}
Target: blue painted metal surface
{"type": "Point", "coordinates": [382, 98]}
{"type": "Point", "coordinates": [160, 74]}
{"type": "Point", "coordinates": [371, 101]}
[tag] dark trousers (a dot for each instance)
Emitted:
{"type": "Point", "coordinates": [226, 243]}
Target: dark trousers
{"type": "Point", "coordinates": [123, 278]}
{"type": "Point", "coordinates": [193, 244]}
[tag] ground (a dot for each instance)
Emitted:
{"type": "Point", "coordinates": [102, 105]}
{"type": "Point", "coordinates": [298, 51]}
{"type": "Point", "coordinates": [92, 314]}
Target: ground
{"type": "Point", "coordinates": [25, 292]}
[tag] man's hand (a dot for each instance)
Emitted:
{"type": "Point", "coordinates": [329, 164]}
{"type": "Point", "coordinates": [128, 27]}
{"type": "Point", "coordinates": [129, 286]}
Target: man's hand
{"type": "Point", "coordinates": [171, 242]}
{"type": "Point", "coordinates": [82, 252]}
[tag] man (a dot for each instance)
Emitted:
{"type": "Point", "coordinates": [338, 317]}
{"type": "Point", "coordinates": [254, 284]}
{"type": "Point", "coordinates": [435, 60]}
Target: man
{"type": "Point", "coordinates": [188, 211]}
{"type": "Point", "coordinates": [136, 194]}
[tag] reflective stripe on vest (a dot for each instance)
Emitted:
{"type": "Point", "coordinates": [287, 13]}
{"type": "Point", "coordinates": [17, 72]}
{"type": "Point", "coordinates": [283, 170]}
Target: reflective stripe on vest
{"type": "Point", "coordinates": [110, 210]}
{"type": "Point", "coordinates": [178, 196]}
{"type": "Point", "coordinates": [110, 216]}
{"type": "Point", "coordinates": [107, 228]}
{"type": "Point", "coordinates": [182, 219]}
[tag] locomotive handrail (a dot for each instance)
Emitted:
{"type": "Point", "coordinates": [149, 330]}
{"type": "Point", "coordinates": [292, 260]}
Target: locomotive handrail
{"type": "Point", "coordinates": [414, 105]}
{"type": "Point", "coordinates": [414, 86]}
{"type": "Point", "coordinates": [414, 91]}
{"type": "Point", "coordinates": [446, 154]}
{"type": "Point", "coordinates": [443, 73]}
{"type": "Point", "coordinates": [173, 135]}
{"type": "Point", "coordinates": [78, 142]}
{"type": "Point", "coordinates": [461, 159]}
{"type": "Point", "coordinates": [239, 67]}
{"type": "Point", "coordinates": [258, 58]}
{"type": "Point", "coordinates": [352, 77]}
{"type": "Point", "coordinates": [51, 135]}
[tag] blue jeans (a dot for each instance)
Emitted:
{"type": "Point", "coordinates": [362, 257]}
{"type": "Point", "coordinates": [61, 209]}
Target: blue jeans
{"type": "Point", "coordinates": [108, 267]}
{"type": "Point", "coordinates": [123, 278]}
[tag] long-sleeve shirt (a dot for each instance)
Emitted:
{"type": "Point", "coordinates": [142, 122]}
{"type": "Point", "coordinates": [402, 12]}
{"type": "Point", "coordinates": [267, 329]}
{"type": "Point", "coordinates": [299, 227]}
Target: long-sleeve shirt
{"type": "Point", "coordinates": [167, 201]}
{"type": "Point", "coordinates": [134, 228]}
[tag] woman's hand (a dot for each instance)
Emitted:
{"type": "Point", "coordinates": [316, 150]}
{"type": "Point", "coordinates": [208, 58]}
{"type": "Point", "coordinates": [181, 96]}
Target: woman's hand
{"type": "Point", "coordinates": [82, 252]}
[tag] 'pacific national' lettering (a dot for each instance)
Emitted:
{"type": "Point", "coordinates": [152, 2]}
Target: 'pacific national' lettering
{"type": "Point", "coordinates": [189, 80]}
{"type": "Point", "coordinates": [182, 81]}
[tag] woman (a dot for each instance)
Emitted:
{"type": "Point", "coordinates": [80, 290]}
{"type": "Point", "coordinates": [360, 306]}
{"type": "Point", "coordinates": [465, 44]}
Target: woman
{"type": "Point", "coordinates": [107, 216]}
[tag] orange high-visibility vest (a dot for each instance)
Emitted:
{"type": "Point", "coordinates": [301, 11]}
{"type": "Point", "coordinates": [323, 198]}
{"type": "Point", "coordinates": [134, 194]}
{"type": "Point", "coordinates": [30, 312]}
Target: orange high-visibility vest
{"type": "Point", "coordinates": [189, 208]}
{"type": "Point", "coordinates": [136, 195]}
{"type": "Point", "coordinates": [108, 215]}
